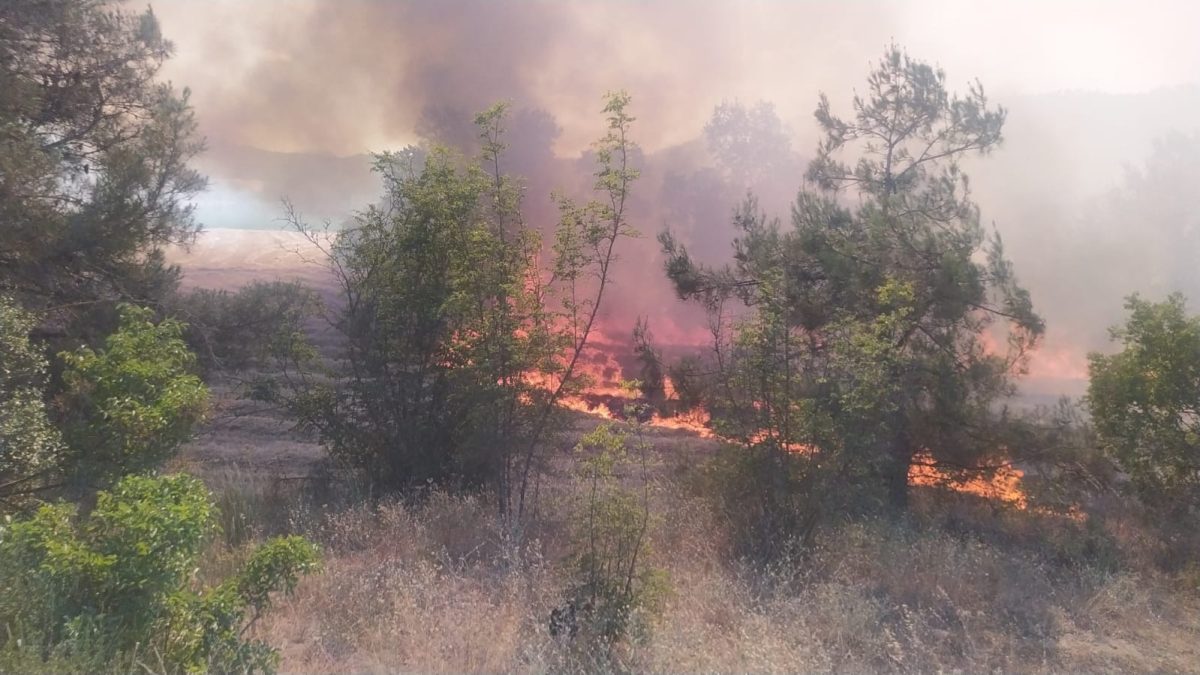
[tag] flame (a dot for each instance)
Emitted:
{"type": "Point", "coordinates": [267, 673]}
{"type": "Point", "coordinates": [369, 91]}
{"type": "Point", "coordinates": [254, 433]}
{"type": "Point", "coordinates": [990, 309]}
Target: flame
{"type": "Point", "coordinates": [604, 395]}
{"type": "Point", "coordinates": [695, 421]}
{"type": "Point", "coordinates": [580, 405]}
{"type": "Point", "coordinates": [1004, 484]}
{"type": "Point", "coordinates": [606, 398]}
{"type": "Point", "coordinates": [604, 403]}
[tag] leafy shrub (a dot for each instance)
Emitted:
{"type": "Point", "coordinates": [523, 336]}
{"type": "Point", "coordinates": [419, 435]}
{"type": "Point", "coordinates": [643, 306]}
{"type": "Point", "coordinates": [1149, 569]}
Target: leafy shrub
{"type": "Point", "coordinates": [233, 330]}
{"type": "Point", "coordinates": [760, 494]}
{"type": "Point", "coordinates": [123, 409]}
{"type": "Point", "coordinates": [1144, 399]}
{"type": "Point", "coordinates": [611, 582]}
{"type": "Point", "coordinates": [29, 446]}
{"type": "Point", "coordinates": [459, 337]}
{"type": "Point", "coordinates": [115, 587]}
{"type": "Point", "coordinates": [130, 405]}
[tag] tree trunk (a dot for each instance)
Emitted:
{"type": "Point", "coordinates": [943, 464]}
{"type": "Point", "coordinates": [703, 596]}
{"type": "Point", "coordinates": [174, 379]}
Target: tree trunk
{"type": "Point", "coordinates": [895, 476]}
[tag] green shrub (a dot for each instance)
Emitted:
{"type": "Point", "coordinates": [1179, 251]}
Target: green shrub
{"type": "Point", "coordinates": [460, 335]}
{"type": "Point", "coordinates": [30, 448]}
{"type": "Point", "coordinates": [254, 324]}
{"type": "Point", "coordinates": [611, 580]}
{"type": "Point", "coordinates": [763, 496]}
{"type": "Point", "coordinates": [129, 406]}
{"type": "Point", "coordinates": [115, 587]}
{"type": "Point", "coordinates": [1143, 401]}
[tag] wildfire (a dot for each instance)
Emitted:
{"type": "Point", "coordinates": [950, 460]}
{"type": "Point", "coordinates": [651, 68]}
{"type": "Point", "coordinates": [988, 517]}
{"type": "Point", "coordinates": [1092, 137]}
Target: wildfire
{"type": "Point", "coordinates": [611, 407]}
{"type": "Point", "coordinates": [694, 421]}
{"type": "Point", "coordinates": [580, 405]}
{"type": "Point", "coordinates": [605, 397]}
{"type": "Point", "coordinates": [1004, 484]}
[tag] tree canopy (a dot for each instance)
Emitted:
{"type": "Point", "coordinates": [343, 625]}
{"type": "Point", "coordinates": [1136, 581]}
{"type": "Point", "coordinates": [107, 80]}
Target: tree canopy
{"type": "Point", "coordinates": [124, 408]}
{"type": "Point", "coordinates": [1145, 399]}
{"type": "Point", "coordinates": [871, 326]}
{"type": "Point", "coordinates": [459, 339]}
{"type": "Point", "coordinates": [94, 152]}
{"type": "Point", "coordinates": [30, 446]}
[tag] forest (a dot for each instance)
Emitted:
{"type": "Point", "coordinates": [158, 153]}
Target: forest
{"type": "Point", "coordinates": [449, 445]}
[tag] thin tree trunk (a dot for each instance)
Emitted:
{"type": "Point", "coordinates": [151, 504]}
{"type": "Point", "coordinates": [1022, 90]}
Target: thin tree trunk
{"type": "Point", "coordinates": [896, 472]}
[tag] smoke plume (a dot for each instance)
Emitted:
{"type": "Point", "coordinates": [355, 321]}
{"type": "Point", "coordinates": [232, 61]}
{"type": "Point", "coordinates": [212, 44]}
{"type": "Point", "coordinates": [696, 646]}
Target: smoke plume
{"type": "Point", "coordinates": [1093, 191]}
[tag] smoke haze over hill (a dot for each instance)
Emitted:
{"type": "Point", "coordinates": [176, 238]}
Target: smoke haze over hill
{"type": "Point", "coordinates": [1090, 190]}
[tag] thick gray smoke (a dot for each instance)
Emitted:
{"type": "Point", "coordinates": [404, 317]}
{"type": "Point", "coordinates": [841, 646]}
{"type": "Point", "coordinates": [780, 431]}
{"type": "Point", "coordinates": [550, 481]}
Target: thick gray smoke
{"type": "Point", "coordinates": [1090, 192]}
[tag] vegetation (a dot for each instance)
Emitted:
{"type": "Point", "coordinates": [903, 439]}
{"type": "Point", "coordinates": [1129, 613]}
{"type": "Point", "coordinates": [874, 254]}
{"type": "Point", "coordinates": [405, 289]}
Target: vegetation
{"type": "Point", "coordinates": [132, 404]}
{"type": "Point", "coordinates": [253, 326]}
{"type": "Point", "coordinates": [94, 175]}
{"type": "Point", "coordinates": [458, 343]}
{"type": "Point", "coordinates": [866, 341]}
{"type": "Point", "coordinates": [113, 589]}
{"type": "Point", "coordinates": [30, 447]}
{"type": "Point", "coordinates": [613, 587]}
{"type": "Point", "coordinates": [863, 355]}
{"type": "Point", "coordinates": [749, 143]}
{"type": "Point", "coordinates": [434, 584]}
{"type": "Point", "coordinates": [123, 409]}
{"type": "Point", "coordinates": [113, 585]}
{"type": "Point", "coordinates": [98, 555]}
{"type": "Point", "coordinates": [1144, 400]}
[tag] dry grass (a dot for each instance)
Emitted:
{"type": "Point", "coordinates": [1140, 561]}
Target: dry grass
{"type": "Point", "coordinates": [438, 585]}
{"type": "Point", "coordinates": [434, 587]}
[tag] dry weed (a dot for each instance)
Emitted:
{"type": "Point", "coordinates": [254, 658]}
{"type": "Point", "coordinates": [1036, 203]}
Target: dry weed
{"type": "Point", "coordinates": [439, 585]}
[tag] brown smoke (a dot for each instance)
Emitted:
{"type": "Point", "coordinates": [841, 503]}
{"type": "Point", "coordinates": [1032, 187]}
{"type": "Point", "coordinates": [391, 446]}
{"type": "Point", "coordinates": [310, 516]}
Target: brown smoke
{"type": "Point", "coordinates": [294, 94]}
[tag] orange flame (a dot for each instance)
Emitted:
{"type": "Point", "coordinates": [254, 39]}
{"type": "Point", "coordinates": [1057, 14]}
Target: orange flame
{"type": "Point", "coordinates": [605, 398]}
{"type": "Point", "coordinates": [601, 402]}
{"type": "Point", "coordinates": [1004, 484]}
{"type": "Point", "coordinates": [695, 421]}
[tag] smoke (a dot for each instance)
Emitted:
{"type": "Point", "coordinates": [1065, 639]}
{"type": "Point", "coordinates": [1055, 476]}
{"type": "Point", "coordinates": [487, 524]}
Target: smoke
{"type": "Point", "coordinates": [1090, 193]}
{"type": "Point", "coordinates": [294, 95]}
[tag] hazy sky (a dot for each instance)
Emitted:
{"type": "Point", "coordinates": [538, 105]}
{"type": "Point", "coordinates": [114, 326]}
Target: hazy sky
{"type": "Point", "coordinates": [351, 76]}
{"type": "Point", "coordinates": [292, 93]}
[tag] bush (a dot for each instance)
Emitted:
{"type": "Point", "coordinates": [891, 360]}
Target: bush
{"type": "Point", "coordinates": [129, 406]}
{"type": "Point", "coordinates": [30, 447]}
{"type": "Point", "coordinates": [761, 494]}
{"type": "Point", "coordinates": [233, 330]}
{"type": "Point", "coordinates": [459, 338]}
{"type": "Point", "coordinates": [611, 582]}
{"type": "Point", "coordinates": [1144, 399]}
{"type": "Point", "coordinates": [115, 588]}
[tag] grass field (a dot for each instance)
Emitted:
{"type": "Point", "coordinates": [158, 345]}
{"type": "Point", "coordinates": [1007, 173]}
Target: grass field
{"type": "Point", "coordinates": [436, 584]}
